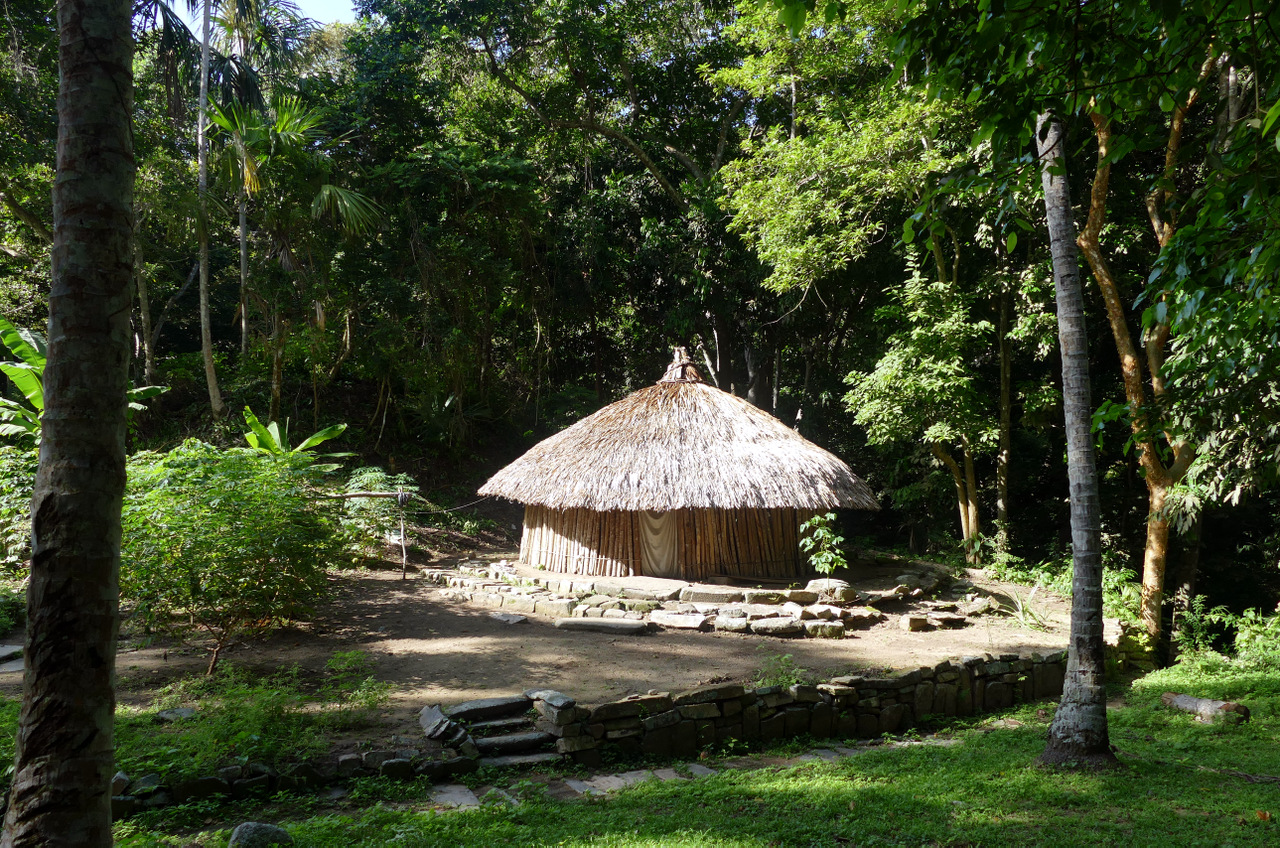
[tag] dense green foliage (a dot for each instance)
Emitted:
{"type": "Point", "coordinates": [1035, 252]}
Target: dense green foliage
{"type": "Point", "coordinates": [465, 225]}
{"type": "Point", "coordinates": [224, 543]}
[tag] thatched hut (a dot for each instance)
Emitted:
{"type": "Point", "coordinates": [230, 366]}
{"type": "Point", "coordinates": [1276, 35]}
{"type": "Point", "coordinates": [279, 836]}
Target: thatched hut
{"type": "Point", "coordinates": [679, 479]}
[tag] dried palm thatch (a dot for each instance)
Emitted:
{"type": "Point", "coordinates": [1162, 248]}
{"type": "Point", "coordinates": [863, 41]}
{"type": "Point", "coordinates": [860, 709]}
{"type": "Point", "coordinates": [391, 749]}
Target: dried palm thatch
{"type": "Point", "coordinates": [680, 444]}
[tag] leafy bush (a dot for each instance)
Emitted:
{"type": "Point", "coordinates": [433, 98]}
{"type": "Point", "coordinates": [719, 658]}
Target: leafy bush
{"type": "Point", "coordinates": [224, 543]}
{"type": "Point", "coordinates": [17, 480]}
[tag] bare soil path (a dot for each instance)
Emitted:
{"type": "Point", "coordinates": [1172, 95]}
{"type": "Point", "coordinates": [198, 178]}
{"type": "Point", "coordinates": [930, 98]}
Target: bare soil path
{"type": "Point", "coordinates": [440, 651]}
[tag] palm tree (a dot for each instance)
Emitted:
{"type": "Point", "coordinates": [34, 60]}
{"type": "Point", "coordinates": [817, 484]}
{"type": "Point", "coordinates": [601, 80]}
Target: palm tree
{"type": "Point", "coordinates": [252, 139]}
{"type": "Point", "coordinates": [60, 793]}
{"type": "Point", "coordinates": [1079, 730]}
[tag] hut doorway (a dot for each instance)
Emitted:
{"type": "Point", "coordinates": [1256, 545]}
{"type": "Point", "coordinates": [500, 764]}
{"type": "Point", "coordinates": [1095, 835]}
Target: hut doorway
{"type": "Point", "coordinates": [659, 544]}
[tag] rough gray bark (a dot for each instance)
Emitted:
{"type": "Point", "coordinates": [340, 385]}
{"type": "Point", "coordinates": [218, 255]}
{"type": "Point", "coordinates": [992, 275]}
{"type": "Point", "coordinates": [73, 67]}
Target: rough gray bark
{"type": "Point", "coordinates": [61, 794]}
{"type": "Point", "coordinates": [1078, 734]}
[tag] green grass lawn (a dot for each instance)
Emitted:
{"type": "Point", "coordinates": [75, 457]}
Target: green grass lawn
{"type": "Point", "coordinates": [1181, 784]}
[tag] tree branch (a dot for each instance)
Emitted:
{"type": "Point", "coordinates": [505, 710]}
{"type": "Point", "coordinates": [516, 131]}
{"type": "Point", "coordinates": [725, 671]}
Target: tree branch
{"type": "Point", "coordinates": [21, 212]}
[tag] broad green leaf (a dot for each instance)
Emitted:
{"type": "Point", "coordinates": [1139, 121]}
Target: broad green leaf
{"type": "Point", "coordinates": [321, 436]}
{"type": "Point", "coordinates": [28, 380]}
{"type": "Point", "coordinates": [25, 344]}
{"type": "Point", "coordinates": [259, 437]}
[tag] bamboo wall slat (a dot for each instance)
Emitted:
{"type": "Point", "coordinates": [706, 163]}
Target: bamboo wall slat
{"type": "Point", "coordinates": [742, 542]}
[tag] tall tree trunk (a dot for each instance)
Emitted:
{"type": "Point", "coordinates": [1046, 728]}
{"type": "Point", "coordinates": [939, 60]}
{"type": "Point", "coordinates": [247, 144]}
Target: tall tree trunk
{"type": "Point", "coordinates": [144, 312]}
{"type": "Point", "coordinates": [1157, 475]}
{"type": "Point", "coordinates": [61, 792]}
{"type": "Point", "coordinates": [971, 553]}
{"type": "Point", "coordinates": [280, 328]}
{"type": "Point", "coordinates": [1005, 450]}
{"type": "Point", "coordinates": [1078, 733]}
{"type": "Point", "coordinates": [962, 492]}
{"type": "Point", "coordinates": [202, 154]}
{"type": "Point", "coordinates": [244, 275]}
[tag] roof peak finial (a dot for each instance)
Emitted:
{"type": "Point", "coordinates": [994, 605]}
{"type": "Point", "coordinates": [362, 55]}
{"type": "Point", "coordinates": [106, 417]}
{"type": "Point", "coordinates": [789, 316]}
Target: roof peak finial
{"type": "Point", "coordinates": [681, 369]}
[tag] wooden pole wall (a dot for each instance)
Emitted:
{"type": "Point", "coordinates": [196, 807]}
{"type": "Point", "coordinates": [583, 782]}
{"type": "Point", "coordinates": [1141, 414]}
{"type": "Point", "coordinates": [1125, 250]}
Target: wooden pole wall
{"type": "Point", "coordinates": [745, 543]}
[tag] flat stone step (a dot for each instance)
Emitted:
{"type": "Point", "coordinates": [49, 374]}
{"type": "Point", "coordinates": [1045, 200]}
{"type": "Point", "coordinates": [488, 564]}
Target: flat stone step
{"type": "Point", "coordinates": [521, 760]}
{"type": "Point", "coordinates": [666, 774]}
{"type": "Point", "coordinates": [454, 795]}
{"type": "Point", "coordinates": [679, 621]}
{"type": "Point", "coordinates": [10, 652]}
{"type": "Point", "coordinates": [699, 770]}
{"type": "Point", "coordinates": [499, 725]}
{"type": "Point", "coordinates": [582, 787]}
{"type": "Point", "coordinates": [615, 626]}
{"type": "Point", "coordinates": [513, 743]}
{"type": "Point", "coordinates": [488, 708]}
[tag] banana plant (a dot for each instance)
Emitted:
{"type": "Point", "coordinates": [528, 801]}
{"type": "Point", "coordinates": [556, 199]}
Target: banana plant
{"type": "Point", "coordinates": [27, 375]}
{"type": "Point", "coordinates": [271, 439]}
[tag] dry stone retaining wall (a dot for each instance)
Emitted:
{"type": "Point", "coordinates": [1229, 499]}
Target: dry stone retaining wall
{"type": "Point", "coordinates": [663, 724]}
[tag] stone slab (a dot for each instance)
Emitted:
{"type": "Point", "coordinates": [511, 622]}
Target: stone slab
{"type": "Point", "coordinates": [699, 770]}
{"type": "Point", "coordinates": [454, 795]}
{"type": "Point", "coordinates": [613, 626]}
{"type": "Point", "coordinates": [484, 708]}
{"type": "Point", "coordinates": [679, 621]}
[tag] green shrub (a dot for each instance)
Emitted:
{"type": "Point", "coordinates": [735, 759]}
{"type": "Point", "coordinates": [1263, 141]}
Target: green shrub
{"type": "Point", "coordinates": [370, 521]}
{"type": "Point", "coordinates": [823, 545]}
{"type": "Point", "coordinates": [17, 480]}
{"type": "Point", "coordinates": [226, 544]}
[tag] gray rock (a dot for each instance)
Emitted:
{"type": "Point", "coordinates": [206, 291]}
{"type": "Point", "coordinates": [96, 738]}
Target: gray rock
{"type": "Point", "coordinates": [678, 621]}
{"type": "Point", "coordinates": [800, 596]}
{"type": "Point", "coordinates": [614, 626]}
{"type": "Point", "coordinates": [826, 585]}
{"type": "Point", "coordinates": [513, 743]}
{"type": "Point", "coordinates": [199, 787]}
{"type": "Point", "coordinates": [711, 594]}
{"type": "Point", "coordinates": [732, 624]}
{"type": "Point", "coordinates": [483, 708]}
{"type": "Point", "coordinates": [349, 764]}
{"type": "Point", "coordinates": [258, 835]}
{"type": "Point", "coordinates": [374, 759]}
{"type": "Point", "coordinates": [824, 629]}
{"type": "Point", "coordinates": [521, 760]}
{"type": "Point", "coordinates": [176, 714]}
{"type": "Point", "coordinates": [435, 724]}
{"type": "Point", "coordinates": [397, 768]}
{"type": "Point", "coordinates": [146, 783]}
{"type": "Point", "coordinates": [778, 627]}
{"type": "Point", "coordinates": [550, 697]}
{"type": "Point", "coordinates": [508, 617]}
{"type": "Point", "coordinates": [119, 783]}
{"type": "Point", "coordinates": [762, 596]}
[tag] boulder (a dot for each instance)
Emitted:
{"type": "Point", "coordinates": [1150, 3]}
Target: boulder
{"type": "Point", "coordinates": [787, 626]}
{"type": "Point", "coordinates": [258, 835]}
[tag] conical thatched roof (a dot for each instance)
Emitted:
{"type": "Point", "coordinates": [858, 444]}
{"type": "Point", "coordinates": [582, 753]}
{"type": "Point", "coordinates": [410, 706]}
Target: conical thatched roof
{"type": "Point", "coordinates": [680, 444]}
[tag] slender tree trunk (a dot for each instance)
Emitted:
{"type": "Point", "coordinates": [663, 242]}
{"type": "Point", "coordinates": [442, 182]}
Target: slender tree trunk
{"type": "Point", "coordinates": [962, 494]}
{"type": "Point", "coordinates": [277, 364]}
{"type": "Point", "coordinates": [244, 275]}
{"type": "Point", "coordinates": [61, 792]}
{"type": "Point", "coordinates": [1078, 733]}
{"type": "Point", "coordinates": [202, 153]}
{"type": "Point", "coordinates": [144, 312]}
{"type": "Point", "coordinates": [1005, 450]}
{"type": "Point", "coordinates": [1157, 475]}
{"type": "Point", "coordinates": [971, 552]}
